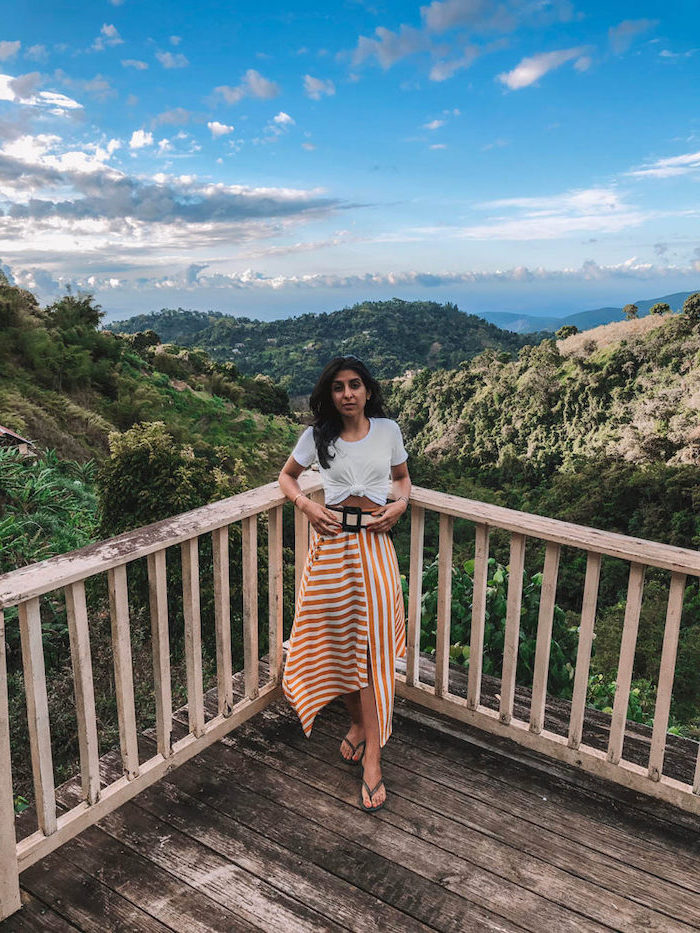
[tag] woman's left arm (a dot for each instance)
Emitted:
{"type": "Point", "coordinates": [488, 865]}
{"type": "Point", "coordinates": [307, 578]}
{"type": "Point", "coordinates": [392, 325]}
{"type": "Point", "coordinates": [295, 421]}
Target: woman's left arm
{"type": "Point", "coordinates": [392, 511]}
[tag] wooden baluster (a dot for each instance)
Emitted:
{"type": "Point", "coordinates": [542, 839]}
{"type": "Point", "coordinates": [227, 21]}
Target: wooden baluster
{"type": "Point", "coordinates": [585, 644]}
{"type": "Point", "coordinates": [666, 671]}
{"type": "Point", "coordinates": [544, 636]}
{"type": "Point", "coordinates": [444, 606]}
{"type": "Point", "coordinates": [157, 588]}
{"type": "Point", "coordinates": [38, 714]}
{"type": "Point", "coordinates": [189, 551]}
{"type": "Point", "coordinates": [250, 605]}
{"type": "Point", "coordinates": [123, 672]}
{"type": "Point", "coordinates": [415, 591]}
{"type": "Point", "coordinates": [274, 571]}
{"type": "Point", "coordinates": [9, 875]}
{"type": "Point", "coordinates": [510, 643]}
{"type": "Point", "coordinates": [79, 637]}
{"type": "Point", "coordinates": [301, 546]}
{"type": "Point", "coordinates": [624, 670]}
{"type": "Point", "coordinates": [696, 779]}
{"type": "Point", "coordinates": [222, 621]}
{"type": "Point", "coordinates": [476, 644]}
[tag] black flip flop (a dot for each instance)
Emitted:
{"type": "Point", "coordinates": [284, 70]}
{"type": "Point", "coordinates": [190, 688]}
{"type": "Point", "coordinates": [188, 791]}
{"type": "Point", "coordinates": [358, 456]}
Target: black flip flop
{"type": "Point", "coordinates": [352, 760]}
{"type": "Point", "coordinates": [370, 793]}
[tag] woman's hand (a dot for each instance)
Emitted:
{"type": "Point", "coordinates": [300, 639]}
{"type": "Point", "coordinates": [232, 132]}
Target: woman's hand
{"type": "Point", "coordinates": [322, 519]}
{"type": "Point", "coordinates": [390, 514]}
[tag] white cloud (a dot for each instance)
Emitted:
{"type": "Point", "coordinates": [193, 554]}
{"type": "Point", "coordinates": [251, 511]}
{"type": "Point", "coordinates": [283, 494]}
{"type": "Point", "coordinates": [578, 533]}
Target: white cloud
{"type": "Point", "coordinates": [175, 40]}
{"type": "Point", "coordinates": [439, 146]}
{"type": "Point", "coordinates": [172, 60]}
{"type": "Point", "coordinates": [316, 88]}
{"type": "Point", "coordinates": [139, 139]}
{"type": "Point", "coordinates": [536, 66]}
{"type": "Point", "coordinates": [253, 84]}
{"type": "Point", "coordinates": [177, 116]}
{"type": "Point", "coordinates": [433, 125]}
{"type": "Point", "coordinates": [308, 146]}
{"type": "Point", "coordinates": [283, 119]}
{"type": "Point", "coordinates": [623, 35]}
{"type": "Point", "coordinates": [134, 63]}
{"type": "Point", "coordinates": [109, 36]}
{"type": "Point", "coordinates": [443, 70]}
{"type": "Point", "coordinates": [37, 53]}
{"type": "Point", "coordinates": [668, 55]}
{"type": "Point", "coordinates": [9, 49]}
{"type": "Point", "coordinates": [390, 47]}
{"type": "Point", "coordinates": [98, 86]}
{"type": "Point", "coordinates": [11, 89]}
{"type": "Point", "coordinates": [219, 129]}
{"type": "Point", "coordinates": [669, 167]}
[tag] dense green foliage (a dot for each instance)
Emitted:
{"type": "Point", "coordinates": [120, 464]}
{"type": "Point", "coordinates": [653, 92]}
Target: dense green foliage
{"type": "Point", "coordinates": [544, 411]}
{"type": "Point", "coordinates": [67, 385]}
{"type": "Point", "coordinates": [390, 336]}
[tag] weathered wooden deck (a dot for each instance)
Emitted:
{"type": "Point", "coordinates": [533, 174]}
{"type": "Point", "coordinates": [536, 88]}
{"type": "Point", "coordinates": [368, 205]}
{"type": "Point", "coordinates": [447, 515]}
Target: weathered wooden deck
{"type": "Point", "coordinates": [263, 830]}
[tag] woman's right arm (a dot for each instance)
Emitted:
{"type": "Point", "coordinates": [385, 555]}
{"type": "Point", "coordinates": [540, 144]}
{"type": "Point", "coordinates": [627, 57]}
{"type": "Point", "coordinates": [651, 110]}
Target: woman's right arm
{"type": "Point", "coordinates": [323, 520]}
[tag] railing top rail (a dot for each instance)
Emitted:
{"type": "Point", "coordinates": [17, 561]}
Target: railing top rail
{"type": "Point", "coordinates": [611, 543]}
{"type": "Point", "coordinates": [55, 572]}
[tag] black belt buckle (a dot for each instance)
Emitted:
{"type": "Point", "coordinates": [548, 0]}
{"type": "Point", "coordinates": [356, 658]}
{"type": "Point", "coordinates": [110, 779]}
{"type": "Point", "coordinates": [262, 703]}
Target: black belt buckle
{"type": "Point", "coordinates": [356, 525]}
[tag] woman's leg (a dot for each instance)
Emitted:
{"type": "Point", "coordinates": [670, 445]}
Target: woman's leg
{"type": "Point", "coordinates": [371, 763]}
{"type": "Point", "coordinates": [356, 733]}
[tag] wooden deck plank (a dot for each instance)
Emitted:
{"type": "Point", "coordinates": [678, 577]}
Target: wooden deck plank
{"type": "Point", "coordinates": [188, 866]}
{"type": "Point", "coordinates": [82, 899]}
{"type": "Point", "coordinates": [36, 917]}
{"type": "Point", "coordinates": [313, 886]}
{"type": "Point", "coordinates": [610, 888]}
{"type": "Point", "coordinates": [321, 793]}
{"type": "Point", "coordinates": [257, 797]}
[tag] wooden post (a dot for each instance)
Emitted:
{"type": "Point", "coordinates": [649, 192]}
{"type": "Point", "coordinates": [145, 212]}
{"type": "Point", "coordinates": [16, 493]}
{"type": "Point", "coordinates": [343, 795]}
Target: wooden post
{"type": "Point", "coordinates": [38, 714]}
{"type": "Point", "coordinates": [301, 547]}
{"type": "Point", "coordinates": [624, 670]}
{"type": "Point", "coordinates": [222, 619]}
{"type": "Point", "coordinates": [444, 606]}
{"type": "Point", "coordinates": [123, 673]}
{"type": "Point", "coordinates": [189, 551]}
{"type": "Point", "coordinates": [157, 588]}
{"type": "Point", "coordinates": [9, 874]}
{"type": "Point", "coordinates": [415, 592]}
{"type": "Point", "coordinates": [666, 672]}
{"type": "Point", "coordinates": [510, 644]}
{"type": "Point", "coordinates": [476, 644]}
{"type": "Point", "coordinates": [81, 661]}
{"type": "Point", "coordinates": [250, 605]}
{"type": "Point", "coordinates": [583, 652]}
{"type": "Point", "coordinates": [544, 636]}
{"type": "Point", "coordinates": [274, 578]}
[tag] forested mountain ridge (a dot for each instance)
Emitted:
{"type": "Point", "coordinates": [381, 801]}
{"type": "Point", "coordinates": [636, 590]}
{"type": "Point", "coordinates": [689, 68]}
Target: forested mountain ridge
{"type": "Point", "coordinates": [66, 385]}
{"type": "Point", "coordinates": [636, 397]}
{"type": "Point", "coordinates": [390, 336]}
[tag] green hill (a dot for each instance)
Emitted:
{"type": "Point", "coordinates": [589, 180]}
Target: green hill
{"type": "Point", "coordinates": [66, 385]}
{"type": "Point", "coordinates": [636, 397]}
{"type": "Point", "coordinates": [390, 336]}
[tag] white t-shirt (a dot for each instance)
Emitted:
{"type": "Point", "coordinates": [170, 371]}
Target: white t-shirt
{"type": "Point", "coordinates": [357, 468]}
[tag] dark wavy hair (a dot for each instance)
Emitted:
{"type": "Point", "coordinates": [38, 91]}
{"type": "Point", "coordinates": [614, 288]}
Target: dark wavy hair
{"type": "Point", "coordinates": [327, 423]}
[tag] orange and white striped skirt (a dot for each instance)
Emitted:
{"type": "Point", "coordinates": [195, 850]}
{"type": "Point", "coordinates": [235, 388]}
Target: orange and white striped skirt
{"type": "Point", "coordinates": [350, 605]}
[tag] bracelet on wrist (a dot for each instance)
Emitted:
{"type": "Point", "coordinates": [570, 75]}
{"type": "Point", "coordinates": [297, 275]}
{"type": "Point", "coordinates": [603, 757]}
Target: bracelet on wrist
{"type": "Point", "coordinates": [300, 495]}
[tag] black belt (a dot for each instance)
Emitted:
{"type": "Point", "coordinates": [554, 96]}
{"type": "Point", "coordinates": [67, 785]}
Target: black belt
{"type": "Point", "coordinates": [352, 516]}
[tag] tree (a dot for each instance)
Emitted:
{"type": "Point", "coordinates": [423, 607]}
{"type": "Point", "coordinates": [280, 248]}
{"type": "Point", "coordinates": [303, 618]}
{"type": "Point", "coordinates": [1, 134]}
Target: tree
{"type": "Point", "coordinates": [691, 308]}
{"type": "Point", "coordinates": [661, 307]}
{"type": "Point", "coordinates": [630, 311]}
{"type": "Point", "coordinates": [568, 330]}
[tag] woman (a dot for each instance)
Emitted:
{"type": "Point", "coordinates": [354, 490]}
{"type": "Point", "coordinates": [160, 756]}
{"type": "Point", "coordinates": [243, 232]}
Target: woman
{"type": "Point", "coordinates": [349, 624]}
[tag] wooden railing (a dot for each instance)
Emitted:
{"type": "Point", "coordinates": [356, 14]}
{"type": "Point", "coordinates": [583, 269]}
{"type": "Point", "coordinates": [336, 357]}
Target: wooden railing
{"type": "Point", "coordinates": [25, 587]}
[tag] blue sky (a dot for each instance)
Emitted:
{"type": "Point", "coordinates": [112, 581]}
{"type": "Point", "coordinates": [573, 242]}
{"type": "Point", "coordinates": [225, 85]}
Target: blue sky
{"type": "Point", "coordinates": [268, 159]}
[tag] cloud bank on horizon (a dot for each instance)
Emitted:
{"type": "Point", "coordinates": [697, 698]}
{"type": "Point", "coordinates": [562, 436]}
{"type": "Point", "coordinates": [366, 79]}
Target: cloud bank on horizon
{"type": "Point", "coordinates": [498, 151]}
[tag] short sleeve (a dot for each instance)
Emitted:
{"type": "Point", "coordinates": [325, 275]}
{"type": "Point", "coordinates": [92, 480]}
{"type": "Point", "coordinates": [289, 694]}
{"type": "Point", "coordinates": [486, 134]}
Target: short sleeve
{"type": "Point", "coordinates": [398, 451]}
{"type": "Point", "coordinates": [305, 451]}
